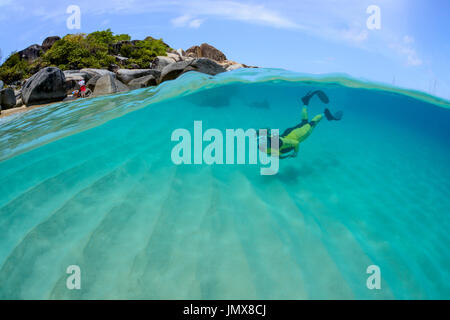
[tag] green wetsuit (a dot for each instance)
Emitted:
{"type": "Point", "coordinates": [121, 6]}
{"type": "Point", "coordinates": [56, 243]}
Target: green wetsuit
{"type": "Point", "coordinates": [292, 137]}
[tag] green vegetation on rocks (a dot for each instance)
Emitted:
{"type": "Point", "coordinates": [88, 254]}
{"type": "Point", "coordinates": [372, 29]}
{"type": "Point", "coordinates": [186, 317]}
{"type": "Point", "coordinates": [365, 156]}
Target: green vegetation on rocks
{"type": "Point", "coordinates": [94, 50]}
{"type": "Point", "coordinates": [144, 52]}
{"type": "Point", "coordinates": [77, 52]}
{"type": "Point", "coordinates": [14, 68]}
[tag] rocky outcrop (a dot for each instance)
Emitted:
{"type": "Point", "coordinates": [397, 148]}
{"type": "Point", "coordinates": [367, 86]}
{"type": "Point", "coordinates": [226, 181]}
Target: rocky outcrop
{"type": "Point", "coordinates": [49, 42]}
{"type": "Point", "coordinates": [113, 67]}
{"type": "Point", "coordinates": [18, 94]}
{"type": "Point", "coordinates": [173, 70]}
{"type": "Point", "coordinates": [206, 51]}
{"type": "Point", "coordinates": [235, 67]}
{"type": "Point", "coordinates": [7, 98]}
{"type": "Point", "coordinates": [97, 72]}
{"type": "Point", "coordinates": [51, 85]}
{"type": "Point", "coordinates": [121, 87]}
{"type": "Point", "coordinates": [202, 65]}
{"type": "Point", "coordinates": [73, 77]}
{"type": "Point", "coordinates": [205, 65]}
{"type": "Point", "coordinates": [19, 102]}
{"type": "Point", "coordinates": [160, 62]}
{"type": "Point", "coordinates": [175, 56]}
{"type": "Point", "coordinates": [92, 82]}
{"type": "Point", "coordinates": [108, 84]}
{"type": "Point", "coordinates": [194, 52]}
{"type": "Point", "coordinates": [127, 75]}
{"type": "Point", "coordinates": [143, 82]}
{"type": "Point", "coordinates": [48, 85]}
{"type": "Point", "coordinates": [77, 74]}
{"type": "Point", "coordinates": [121, 60]}
{"type": "Point", "coordinates": [116, 47]}
{"type": "Point", "coordinates": [180, 52]}
{"type": "Point", "coordinates": [31, 53]}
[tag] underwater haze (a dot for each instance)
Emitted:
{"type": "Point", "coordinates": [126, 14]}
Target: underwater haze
{"type": "Point", "coordinates": [91, 183]}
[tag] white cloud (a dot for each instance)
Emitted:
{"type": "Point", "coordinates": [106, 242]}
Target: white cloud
{"type": "Point", "coordinates": [327, 19]}
{"type": "Point", "coordinates": [229, 10]}
{"type": "Point", "coordinates": [405, 48]}
{"type": "Point", "coordinates": [341, 21]}
{"type": "Point", "coordinates": [181, 21]}
{"type": "Point", "coordinates": [195, 23]}
{"type": "Point", "coordinates": [186, 21]}
{"type": "Point", "coordinates": [251, 13]}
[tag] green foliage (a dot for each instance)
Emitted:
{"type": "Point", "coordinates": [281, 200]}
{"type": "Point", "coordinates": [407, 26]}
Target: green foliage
{"type": "Point", "coordinates": [77, 51]}
{"type": "Point", "coordinates": [80, 51]}
{"type": "Point", "coordinates": [12, 60]}
{"type": "Point", "coordinates": [104, 37]}
{"type": "Point", "coordinates": [122, 37]}
{"type": "Point", "coordinates": [145, 51]}
{"type": "Point", "coordinates": [14, 69]}
{"type": "Point", "coordinates": [126, 50]}
{"type": "Point", "coordinates": [107, 37]}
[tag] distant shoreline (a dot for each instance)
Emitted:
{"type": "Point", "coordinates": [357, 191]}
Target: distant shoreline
{"type": "Point", "coordinates": [302, 78]}
{"type": "Point", "coordinates": [22, 109]}
{"type": "Point", "coordinates": [97, 64]}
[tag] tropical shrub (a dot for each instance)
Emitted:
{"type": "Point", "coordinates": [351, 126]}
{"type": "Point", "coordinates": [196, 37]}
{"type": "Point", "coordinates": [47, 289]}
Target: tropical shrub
{"type": "Point", "coordinates": [77, 51]}
{"type": "Point", "coordinates": [14, 69]}
{"type": "Point", "coordinates": [146, 51]}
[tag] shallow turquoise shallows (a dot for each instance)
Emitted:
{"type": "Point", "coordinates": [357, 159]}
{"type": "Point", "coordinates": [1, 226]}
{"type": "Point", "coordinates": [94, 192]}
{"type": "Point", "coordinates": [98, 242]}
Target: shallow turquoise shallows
{"type": "Point", "coordinates": [91, 183]}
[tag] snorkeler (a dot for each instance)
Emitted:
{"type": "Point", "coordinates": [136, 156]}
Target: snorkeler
{"type": "Point", "coordinates": [291, 138]}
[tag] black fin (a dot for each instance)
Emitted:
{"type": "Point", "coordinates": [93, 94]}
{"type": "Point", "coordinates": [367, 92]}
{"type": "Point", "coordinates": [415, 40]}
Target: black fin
{"type": "Point", "coordinates": [337, 116]}
{"type": "Point", "coordinates": [306, 98]}
{"type": "Point", "coordinates": [322, 96]}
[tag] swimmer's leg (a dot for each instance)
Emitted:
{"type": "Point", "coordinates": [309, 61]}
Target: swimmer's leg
{"type": "Point", "coordinates": [337, 116]}
{"type": "Point", "coordinates": [304, 114]}
{"type": "Point", "coordinates": [316, 120]}
{"type": "Point", "coordinates": [322, 96]}
{"type": "Point", "coordinates": [301, 124]}
{"type": "Point", "coordinates": [327, 113]}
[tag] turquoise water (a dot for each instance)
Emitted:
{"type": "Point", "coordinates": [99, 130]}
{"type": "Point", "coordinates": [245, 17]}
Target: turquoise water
{"type": "Point", "coordinates": [91, 183]}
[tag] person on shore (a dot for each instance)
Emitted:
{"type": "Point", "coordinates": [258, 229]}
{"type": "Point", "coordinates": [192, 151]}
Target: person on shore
{"type": "Point", "coordinates": [82, 88]}
{"type": "Point", "coordinates": [291, 138]}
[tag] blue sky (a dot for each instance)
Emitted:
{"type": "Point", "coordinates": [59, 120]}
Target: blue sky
{"type": "Point", "coordinates": [313, 36]}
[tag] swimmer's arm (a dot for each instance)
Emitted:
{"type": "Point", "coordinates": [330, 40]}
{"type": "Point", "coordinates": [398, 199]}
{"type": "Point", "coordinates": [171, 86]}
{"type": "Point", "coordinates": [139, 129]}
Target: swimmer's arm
{"type": "Point", "coordinates": [293, 153]}
{"type": "Point", "coordinates": [293, 143]}
{"type": "Point", "coordinates": [285, 155]}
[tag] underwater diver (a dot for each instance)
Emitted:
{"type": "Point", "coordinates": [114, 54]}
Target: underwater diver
{"type": "Point", "coordinates": [291, 138]}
